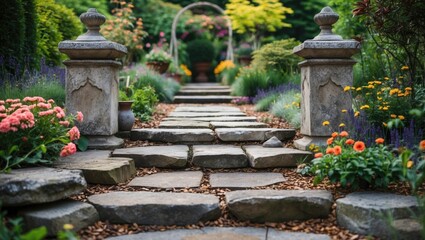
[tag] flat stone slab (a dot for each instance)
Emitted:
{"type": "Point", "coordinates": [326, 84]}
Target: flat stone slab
{"type": "Point", "coordinates": [366, 212]}
{"type": "Point", "coordinates": [54, 215]}
{"type": "Point", "coordinates": [194, 91]}
{"type": "Point", "coordinates": [261, 157]}
{"type": "Point", "coordinates": [174, 156]}
{"type": "Point", "coordinates": [253, 134]}
{"type": "Point", "coordinates": [156, 208]}
{"type": "Point", "coordinates": [215, 119]}
{"type": "Point", "coordinates": [203, 99]}
{"type": "Point", "coordinates": [223, 233]}
{"type": "Point", "coordinates": [183, 179]}
{"type": "Point", "coordinates": [205, 108]}
{"type": "Point", "coordinates": [241, 180]}
{"type": "Point", "coordinates": [279, 205]}
{"type": "Point", "coordinates": [215, 125]}
{"type": "Point", "coordinates": [205, 114]}
{"type": "Point", "coordinates": [98, 167]}
{"type": "Point", "coordinates": [39, 185]}
{"type": "Point", "coordinates": [184, 123]}
{"type": "Point", "coordinates": [219, 156]}
{"type": "Point", "coordinates": [173, 135]}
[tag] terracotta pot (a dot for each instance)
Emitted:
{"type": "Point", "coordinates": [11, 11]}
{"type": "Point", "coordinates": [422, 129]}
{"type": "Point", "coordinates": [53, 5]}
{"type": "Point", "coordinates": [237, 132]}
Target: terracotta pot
{"type": "Point", "coordinates": [201, 70]}
{"type": "Point", "coordinates": [126, 117]}
{"type": "Point", "coordinates": [159, 67]}
{"type": "Point", "coordinates": [245, 60]}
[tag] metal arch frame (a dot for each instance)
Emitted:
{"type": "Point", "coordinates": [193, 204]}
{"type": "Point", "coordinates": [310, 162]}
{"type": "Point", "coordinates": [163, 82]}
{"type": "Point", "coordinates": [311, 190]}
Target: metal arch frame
{"type": "Point", "coordinates": [173, 44]}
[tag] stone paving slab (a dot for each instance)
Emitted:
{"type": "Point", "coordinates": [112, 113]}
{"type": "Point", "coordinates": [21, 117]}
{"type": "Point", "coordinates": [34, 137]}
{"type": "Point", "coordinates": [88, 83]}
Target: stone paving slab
{"type": "Point", "coordinates": [183, 179]}
{"type": "Point", "coordinates": [215, 119]}
{"type": "Point", "coordinates": [184, 123]}
{"type": "Point", "coordinates": [241, 180]}
{"type": "Point", "coordinates": [173, 135]}
{"type": "Point", "coordinates": [191, 87]}
{"type": "Point", "coordinates": [215, 125]}
{"type": "Point", "coordinates": [219, 91]}
{"type": "Point", "coordinates": [261, 157]}
{"type": "Point", "coordinates": [39, 185]}
{"type": "Point", "coordinates": [219, 156]}
{"type": "Point", "coordinates": [253, 134]}
{"type": "Point", "coordinates": [365, 212]}
{"type": "Point", "coordinates": [205, 114]}
{"type": "Point", "coordinates": [205, 108]}
{"type": "Point", "coordinates": [203, 99]}
{"type": "Point", "coordinates": [98, 167]}
{"type": "Point", "coordinates": [279, 205]}
{"type": "Point", "coordinates": [54, 215]}
{"type": "Point", "coordinates": [174, 156]}
{"type": "Point", "coordinates": [224, 233]}
{"type": "Point", "coordinates": [156, 208]}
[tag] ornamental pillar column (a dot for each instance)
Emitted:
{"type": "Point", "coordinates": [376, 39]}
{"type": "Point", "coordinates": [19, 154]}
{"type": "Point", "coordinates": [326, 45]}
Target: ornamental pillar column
{"type": "Point", "coordinates": [92, 82]}
{"type": "Point", "coordinates": [326, 70]}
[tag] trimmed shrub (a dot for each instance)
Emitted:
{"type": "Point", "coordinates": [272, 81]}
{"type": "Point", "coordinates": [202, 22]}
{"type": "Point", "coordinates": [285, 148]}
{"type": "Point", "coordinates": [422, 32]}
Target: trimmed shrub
{"type": "Point", "coordinates": [200, 50]}
{"type": "Point", "coordinates": [12, 29]}
{"type": "Point", "coordinates": [81, 6]}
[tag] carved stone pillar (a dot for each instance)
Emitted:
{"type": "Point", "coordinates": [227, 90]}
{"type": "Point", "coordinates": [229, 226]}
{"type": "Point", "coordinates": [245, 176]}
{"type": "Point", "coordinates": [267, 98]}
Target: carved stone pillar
{"type": "Point", "coordinates": [328, 68]}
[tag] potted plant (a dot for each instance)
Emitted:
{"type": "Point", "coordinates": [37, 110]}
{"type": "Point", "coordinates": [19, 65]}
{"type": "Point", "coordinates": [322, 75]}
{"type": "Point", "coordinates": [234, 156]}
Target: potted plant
{"type": "Point", "coordinates": [175, 72]}
{"type": "Point", "coordinates": [126, 117]}
{"type": "Point", "coordinates": [158, 60]}
{"type": "Point", "coordinates": [244, 54]}
{"type": "Point", "coordinates": [201, 54]}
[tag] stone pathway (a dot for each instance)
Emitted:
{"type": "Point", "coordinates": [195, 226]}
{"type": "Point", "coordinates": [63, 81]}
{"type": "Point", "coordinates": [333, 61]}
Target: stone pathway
{"type": "Point", "coordinates": [199, 138]}
{"type": "Point", "coordinates": [204, 93]}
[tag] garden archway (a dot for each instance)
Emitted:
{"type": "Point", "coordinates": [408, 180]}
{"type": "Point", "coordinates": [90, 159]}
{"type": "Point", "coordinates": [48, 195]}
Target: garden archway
{"type": "Point", "coordinates": [173, 44]}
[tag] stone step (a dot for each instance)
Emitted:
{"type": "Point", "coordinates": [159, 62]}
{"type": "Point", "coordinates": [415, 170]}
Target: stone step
{"type": "Point", "coordinates": [242, 180]}
{"type": "Point", "coordinates": [279, 205]}
{"type": "Point", "coordinates": [214, 125]}
{"type": "Point", "coordinates": [169, 180]}
{"type": "Point", "coordinates": [194, 135]}
{"type": "Point", "coordinates": [156, 208]}
{"type": "Point", "coordinates": [98, 167]}
{"type": "Point", "coordinates": [214, 119]}
{"type": "Point", "coordinates": [192, 92]}
{"type": "Point", "coordinates": [54, 215]}
{"type": "Point", "coordinates": [37, 185]}
{"type": "Point", "coordinates": [223, 233]}
{"type": "Point", "coordinates": [203, 99]}
{"type": "Point", "coordinates": [204, 86]}
{"type": "Point", "coordinates": [205, 108]}
{"type": "Point", "coordinates": [367, 213]}
{"type": "Point", "coordinates": [261, 157]}
{"type": "Point", "coordinates": [219, 156]}
{"type": "Point", "coordinates": [183, 123]}
{"type": "Point", "coordinates": [174, 156]}
{"type": "Point", "coordinates": [253, 134]}
{"type": "Point", "coordinates": [190, 115]}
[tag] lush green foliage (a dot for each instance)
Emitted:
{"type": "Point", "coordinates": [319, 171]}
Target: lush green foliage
{"type": "Point", "coordinates": [228, 76]}
{"type": "Point", "coordinates": [164, 88]}
{"type": "Point", "coordinates": [48, 89]}
{"type": "Point", "coordinates": [12, 28]}
{"type": "Point", "coordinates": [145, 100]}
{"type": "Point", "coordinates": [277, 56]}
{"type": "Point", "coordinates": [35, 131]}
{"type": "Point", "coordinates": [158, 55]}
{"type": "Point", "coordinates": [12, 229]}
{"type": "Point", "coordinates": [30, 44]}
{"type": "Point", "coordinates": [257, 17]}
{"type": "Point", "coordinates": [287, 106]}
{"type": "Point", "coordinates": [200, 50]}
{"type": "Point", "coordinates": [81, 6]}
{"type": "Point", "coordinates": [264, 104]}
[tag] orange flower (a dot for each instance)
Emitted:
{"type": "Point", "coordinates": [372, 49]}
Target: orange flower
{"type": "Point", "coordinates": [379, 141]}
{"type": "Point", "coordinates": [334, 134]}
{"type": "Point", "coordinates": [330, 141]}
{"type": "Point", "coordinates": [359, 146]}
{"type": "Point", "coordinates": [337, 150]}
{"type": "Point", "coordinates": [422, 145]}
{"type": "Point", "coordinates": [318, 155]}
{"type": "Point", "coordinates": [349, 141]}
{"type": "Point", "coordinates": [330, 151]}
{"type": "Point", "coordinates": [343, 134]}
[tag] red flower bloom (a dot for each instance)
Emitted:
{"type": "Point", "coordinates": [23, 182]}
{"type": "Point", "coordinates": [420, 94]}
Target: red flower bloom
{"type": "Point", "coordinates": [359, 146]}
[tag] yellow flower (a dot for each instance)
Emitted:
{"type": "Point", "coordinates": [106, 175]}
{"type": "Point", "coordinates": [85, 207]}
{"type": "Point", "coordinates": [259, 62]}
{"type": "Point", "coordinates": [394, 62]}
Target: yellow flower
{"type": "Point", "coordinates": [325, 123]}
{"type": "Point", "coordinates": [378, 82]}
{"type": "Point", "coordinates": [385, 108]}
{"type": "Point", "coordinates": [400, 95]}
{"type": "Point", "coordinates": [364, 107]}
{"type": "Point", "coordinates": [379, 98]}
{"type": "Point", "coordinates": [394, 91]}
{"type": "Point", "coordinates": [393, 116]}
{"type": "Point", "coordinates": [344, 110]}
{"type": "Point", "coordinates": [409, 164]}
{"type": "Point", "coordinates": [401, 117]}
{"type": "Point", "coordinates": [347, 88]}
{"type": "Point", "coordinates": [68, 226]}
{"type": "Point", "coordinates": [370, 86]}
{"type": "Point", "coordinates": [386, 78]}
{"type": "Point", "coordinates": [370, 83]}
{"type": "Point", "coordinates": [404, 68]}
{"type": "Point", "coordinates": [385, 124]}
{"type": "Point", "coordinates": [341, 125]}
{"type": "Point", "coordinates": [380, 108]}
{"type": "Point", "coordinates": [358, 89]}
{"type": "Point", "coordinates": [356, 114]}
{"type": "Point", "coordinates": [408, 89]}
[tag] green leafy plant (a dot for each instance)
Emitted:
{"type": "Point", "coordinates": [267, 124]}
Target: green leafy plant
{"type": "Point", "coordinates": [200, 50]}
{"type": "Point", "coordinates": [287, 106]}
{"type": "Point", "coordinates": [158, 55]}
{"type": "Point", "coordinates": [144, 103]}
{"type": "Point", "coordinates": [265, 103]}
{"type": "Point", "coordinates": [34, 131]}
{"type": "Point", "coordinates": [164, 88]}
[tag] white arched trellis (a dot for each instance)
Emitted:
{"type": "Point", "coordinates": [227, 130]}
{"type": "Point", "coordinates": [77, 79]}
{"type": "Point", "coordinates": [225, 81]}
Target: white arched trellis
{"type": "Point", "coordinates": [173, 45]}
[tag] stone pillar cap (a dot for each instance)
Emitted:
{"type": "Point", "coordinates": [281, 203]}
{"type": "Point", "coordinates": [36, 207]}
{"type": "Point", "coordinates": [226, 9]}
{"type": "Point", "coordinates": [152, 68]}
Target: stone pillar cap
{"type": "Point", "coordinates": [92, 45]}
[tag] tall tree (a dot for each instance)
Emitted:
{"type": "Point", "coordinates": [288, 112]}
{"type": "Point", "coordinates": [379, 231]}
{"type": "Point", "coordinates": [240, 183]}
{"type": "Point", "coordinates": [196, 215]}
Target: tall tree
{"type": "Point", "coordinates": [12, 29]}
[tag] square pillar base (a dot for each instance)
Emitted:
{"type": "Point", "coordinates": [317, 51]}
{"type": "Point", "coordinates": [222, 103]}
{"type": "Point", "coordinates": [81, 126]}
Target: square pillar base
{"type": "Point", "coordinates": [305, 142]}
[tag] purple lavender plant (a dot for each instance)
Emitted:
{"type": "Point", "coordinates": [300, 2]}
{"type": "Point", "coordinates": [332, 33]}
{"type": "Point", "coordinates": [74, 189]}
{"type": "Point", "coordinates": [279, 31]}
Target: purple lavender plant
{"type": "Point", "coordinates": [262, 93]}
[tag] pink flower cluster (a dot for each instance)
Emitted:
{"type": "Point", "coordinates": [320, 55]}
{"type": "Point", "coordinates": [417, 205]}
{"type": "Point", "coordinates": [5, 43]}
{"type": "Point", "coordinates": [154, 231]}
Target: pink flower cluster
{"type": "Point", "coordinates": [68, 149]}
{"type": "Point", "coordinates": [74, 134]}
{"type": "Point", "coordinates": [21, 118]}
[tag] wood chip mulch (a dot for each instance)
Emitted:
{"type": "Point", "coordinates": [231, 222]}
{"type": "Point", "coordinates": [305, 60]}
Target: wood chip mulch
{"type": "Point", "coordinates": [102, 229]}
